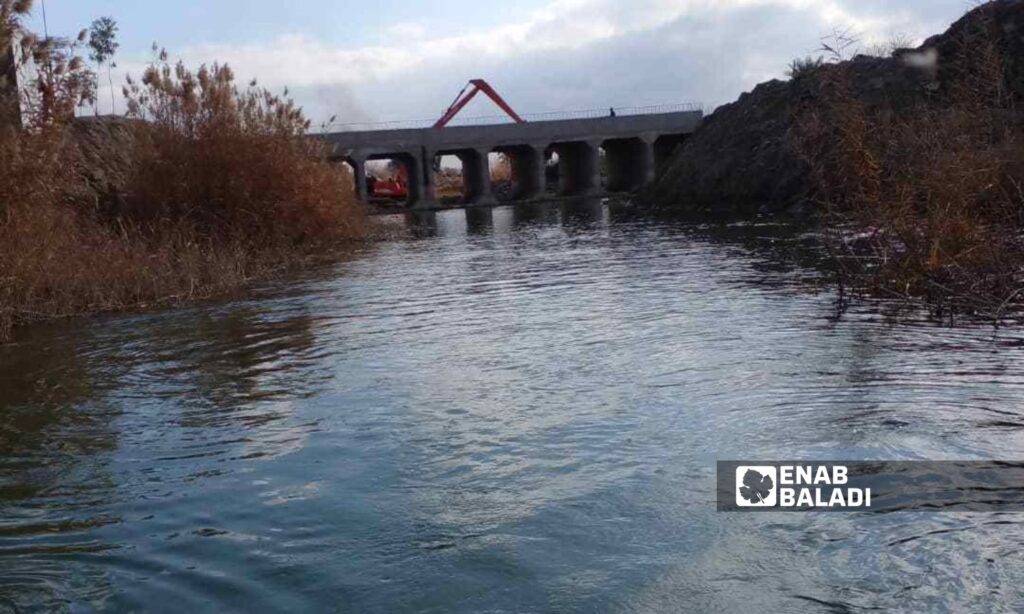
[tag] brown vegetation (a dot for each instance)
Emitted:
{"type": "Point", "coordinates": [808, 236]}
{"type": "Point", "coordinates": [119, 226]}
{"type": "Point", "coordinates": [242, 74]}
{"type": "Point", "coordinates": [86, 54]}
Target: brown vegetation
{"type": "Point", "coordinates": [230, 164]}
{"type": "Point", "coordinates": [219, 186]}
{"type": "Point", "coordinates": [925, 201]}
{"type": "Point", "coordinates": [913, 159]}
{"type": "Point", "coordinates": [448, 184]}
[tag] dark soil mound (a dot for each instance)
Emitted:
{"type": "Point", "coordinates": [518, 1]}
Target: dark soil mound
{"type": "Point", "coordinates": [742, 158]}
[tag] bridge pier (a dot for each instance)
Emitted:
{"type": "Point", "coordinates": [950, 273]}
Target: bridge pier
{"type": "Point", "coordinates": [421, 179]}
{"type": "Point", "coordinates": [579, 172]}
{"type": "Point", "coordinates": [630, 163]}
{"type": "Point", "coordinates": [527, 169]}
{"type": "Point", "coordinates": [359, 178]}
{"type": "Point", "coordinates": [535, 172]}
{"type": "Point", "coordinates": [650, 165]}
{"type": "Point", "coordinates": [476, 177]}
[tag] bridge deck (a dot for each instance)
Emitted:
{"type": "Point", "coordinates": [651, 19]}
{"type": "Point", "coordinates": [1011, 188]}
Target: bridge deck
{"type": "Point", "coordinates": [496, 135]}
{"type": "Point", "coordinates": [633, 143]}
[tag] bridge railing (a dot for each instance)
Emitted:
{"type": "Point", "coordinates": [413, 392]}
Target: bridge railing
{"type": "Point", "coordinates": [488, 120]}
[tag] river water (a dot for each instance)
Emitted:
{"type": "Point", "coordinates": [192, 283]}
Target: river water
{"type": "Point", "coordinates": [508, 410]}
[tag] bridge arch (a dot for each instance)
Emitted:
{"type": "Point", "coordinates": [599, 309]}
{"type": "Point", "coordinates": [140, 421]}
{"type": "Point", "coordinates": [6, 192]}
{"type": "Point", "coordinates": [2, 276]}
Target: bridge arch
{"type": "Point", "coordinates": [527, 162]}
{"type": "Point", "coordinates": [357, 168]}
{"type": "Point", "coordinates": [628, 163]}
{"type": "Point", "coordinates": [475, 172]}
{"type": "Point", "coordinates": [410, 172]}
{"type": "Point", "coordinates": [579, 172]}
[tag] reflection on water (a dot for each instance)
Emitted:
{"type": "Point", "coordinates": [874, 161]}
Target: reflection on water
{"type": "Point", "coordinates": [509, 409]}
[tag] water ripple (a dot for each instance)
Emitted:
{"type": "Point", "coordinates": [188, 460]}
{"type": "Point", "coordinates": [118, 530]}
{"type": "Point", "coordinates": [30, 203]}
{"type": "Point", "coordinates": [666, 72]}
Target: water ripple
{"type": "Point", "coordinates": [515, 409]}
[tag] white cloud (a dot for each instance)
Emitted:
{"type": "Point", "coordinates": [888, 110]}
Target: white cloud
{"type": "Point", "coordinates": [574, 53]}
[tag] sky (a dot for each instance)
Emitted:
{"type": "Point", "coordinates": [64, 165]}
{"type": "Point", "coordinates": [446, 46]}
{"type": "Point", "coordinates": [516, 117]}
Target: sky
{"type": "Point", "coordinates": [386, 60]}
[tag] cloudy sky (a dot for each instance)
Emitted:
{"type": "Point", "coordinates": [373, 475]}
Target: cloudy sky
{"type": "Point", "coordinates": [400, 59]}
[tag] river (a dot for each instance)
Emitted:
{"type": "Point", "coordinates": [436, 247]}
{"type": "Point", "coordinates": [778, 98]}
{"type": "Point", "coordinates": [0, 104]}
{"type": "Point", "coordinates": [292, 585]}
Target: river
{"type": "Point", "coordinates": [507, 410]}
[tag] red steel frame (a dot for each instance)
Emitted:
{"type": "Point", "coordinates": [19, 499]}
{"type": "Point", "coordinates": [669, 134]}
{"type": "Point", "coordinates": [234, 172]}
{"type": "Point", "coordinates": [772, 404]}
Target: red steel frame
{"type": "Point", "coordinates": [479, 85]}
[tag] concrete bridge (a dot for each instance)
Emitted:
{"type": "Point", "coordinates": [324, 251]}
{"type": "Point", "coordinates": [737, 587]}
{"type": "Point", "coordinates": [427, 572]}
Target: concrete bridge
{"type": "Point", "coordinates": [633, 146]}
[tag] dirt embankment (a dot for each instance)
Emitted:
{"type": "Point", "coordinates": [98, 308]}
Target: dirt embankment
{"type": "Point", "coordinates": [744, 158]}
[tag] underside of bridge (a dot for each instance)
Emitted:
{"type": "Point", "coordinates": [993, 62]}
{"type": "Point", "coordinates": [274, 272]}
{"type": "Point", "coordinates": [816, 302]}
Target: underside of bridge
{"type": "Point", "coordinates": [412, 169]}
{"type": "Point", "coordinates": [527, 170]}
{"type": "Point", "coordinates": [476, 174]}
{"type": "Point", "coordinates": [579, 172]}
{"type": "Point", "coordinates": [358, 169]}
{"type": "Point", "coordinates": [629, 164]}
{"type": "Point", "coordinates": [578, 168]}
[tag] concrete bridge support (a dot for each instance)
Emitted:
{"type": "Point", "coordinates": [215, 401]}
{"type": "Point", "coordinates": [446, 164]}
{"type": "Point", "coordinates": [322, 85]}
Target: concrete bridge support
{"type": "Point", "coordinates": [476, 176]}
{"type": "Point", "coordinates": [527, 170]}
{"type": "Point", "coordinates": [358, 166]}
{"type": "Point", "coordinates": [630, 164]}
{"type": "Point", "coordinates": [579, 173]}
{"type": "Point", "coordinates": [650, 163]}
{"type": "Point", "coordinates": [421, 179]}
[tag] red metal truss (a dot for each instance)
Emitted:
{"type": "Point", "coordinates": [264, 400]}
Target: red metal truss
{"type": "Point", "coordinates": [479, 85]}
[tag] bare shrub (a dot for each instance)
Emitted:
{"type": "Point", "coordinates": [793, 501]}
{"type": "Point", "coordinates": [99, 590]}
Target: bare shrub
{"type": "Point", "coordinates": [804, 66]}
{"type": "Point", "coordinates": [924, 202]}
{"type": "Point", "coordinates": [501, 170]}
{"type": "Point", "coordinates": [448, 184]}
{"type": "Point", "coordinates": [232, 163]}
{"type": "Point", "coordinates": [57, 79]}
{"type": "Point", "coordinates": [840, 45]}
{"type": "Point", "coordinates": [891, 46]}
{"type": "Point", "coordinates": [223, 187]}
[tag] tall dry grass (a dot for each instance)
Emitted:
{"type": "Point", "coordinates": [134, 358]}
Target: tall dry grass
{"type": "Point", "coordinates": [232, 163]}
{"type": "Point", "coordinates": [221, 187]}
{"type": "Point", "coordinates": [925, 202]}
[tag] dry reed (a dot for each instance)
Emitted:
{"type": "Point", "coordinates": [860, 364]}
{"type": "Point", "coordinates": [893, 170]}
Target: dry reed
{"type": "Point", "coordinates": [924, 202]}
{"type": "Point", "coordinates": [222, 187]}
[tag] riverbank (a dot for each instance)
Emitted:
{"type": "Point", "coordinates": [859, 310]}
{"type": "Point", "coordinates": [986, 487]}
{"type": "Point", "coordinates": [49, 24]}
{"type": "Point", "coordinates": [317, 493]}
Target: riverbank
{"type": "Point", "coordinates": [203, 190]}
{"type": "Point", "coordinates": [911, 161]}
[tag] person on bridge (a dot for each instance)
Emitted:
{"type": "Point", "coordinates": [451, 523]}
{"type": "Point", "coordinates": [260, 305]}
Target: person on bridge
{"type": "Point", "coordinates": [611, 110]}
